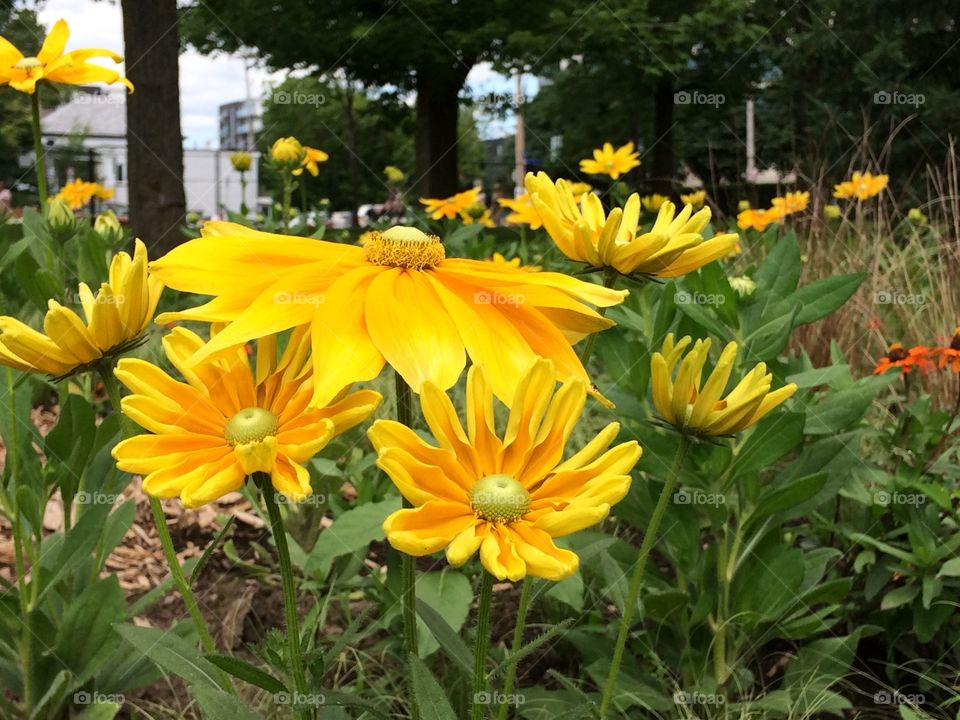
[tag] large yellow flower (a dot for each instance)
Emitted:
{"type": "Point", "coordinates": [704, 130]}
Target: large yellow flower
{"type": "Point", "coordinates": [607, 161]}
{"type": "Point", "coordinates": [227, 422]}
{"type": "Point", "coordinates": [310, 161]}
{"type": "Point", "coordinates": [583, 232]}
{"type": "Point", "coordinates": [51, 64]}
{"type": "Point", "coordinates": [791, 202]}
{"type": "Point", "coordinates": [522, 211]}
{"type": "Point", "coordinates": [80, 192]}
{"type": "Point", "coordinates": [115, 318]}
{"type": "Point", "coordinates": [682, 402]}
{"type": "Point", "coordinates": [508, 496]}
{"type": "Point", "coordinates": [452, 206]}
{"type": "Point", "coordinates": [861, 186]}
{"type": "Point", "coordinates": [396, 300]}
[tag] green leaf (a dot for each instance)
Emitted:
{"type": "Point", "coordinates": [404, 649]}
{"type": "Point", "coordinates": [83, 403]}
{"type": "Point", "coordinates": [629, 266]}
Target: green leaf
{"type": "Point", "coordinates": [532, 646]}
{"type": "Point", "coordinates": [209, 550]}
{"type": "Point", "coordinates": [715, 283]}
{"type": "Point", "coordinates": [87, 626]}
{"type": "Point", "coordinates": [705, 320]}
{"type": "Point", "coordinates": [818, 376]}
{"type": "Point", "coordinates": [100, 711]}
{"type": "Point", "coordinates": [219, 705]}
{"type": "Point", "coordinates": [838, 410]}
{"type": "Point", "coordinates": [53, 698]}
{"type": "Point", "coordinates": [951, 568]}
{"type": "Point", "coordinates": [778, 275]}
{"type": "Point", "coordinates": [899, 596]}
{"type": "Point", "coordinates": [822, 297]}
{"type": "Point", "coordinates": [350, 533]}
{"type": "Point", "coordinates": [247, 672]}
{"type": "Point", "coordinates": [779, 497]}
{"type": "Point", "coordinates": [171, 653]}
{"type": "Point", "coordinates": [569, 591]}
{"type": "Point", "coordinates": [451, 642]}
{"type": "Point", "coordinates": [769, 340]}
{"type": "Point", "coordinates": [773, 437]}
{"type": "Point", "coordinates": [429, 696]}
{"type": "Point", "coordinates": [77, 544]}
{"type": "Point", "coordinates": [448, 592]}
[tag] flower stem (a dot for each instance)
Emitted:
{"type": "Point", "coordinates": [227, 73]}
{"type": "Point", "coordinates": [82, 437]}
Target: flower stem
{"type": "Point", "coordinates": [40, 162]}
{"type": "Point", "coordinates": [289, 590]}
{"type": "Point", "coordinates": [112, 387]}
{"type": "Point", "coordinates": [408, 570]}
{"type": "Point", "coordinates": [511, 677]}
{"type": "Point", "coordinates": [287, 193]}
{"type": "Point", "coordinates": [636, 580]}
{"type": "Point", "coordinates": [609, 280]}
{"type": "Point", "coordinates": [481, 643]}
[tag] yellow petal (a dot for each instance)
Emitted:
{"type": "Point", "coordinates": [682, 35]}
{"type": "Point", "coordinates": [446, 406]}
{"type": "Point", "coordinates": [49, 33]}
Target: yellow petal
{"type": "Point", "coordinates": [428, 528]}
{"type": "Point", "coordinates": [54, 43]}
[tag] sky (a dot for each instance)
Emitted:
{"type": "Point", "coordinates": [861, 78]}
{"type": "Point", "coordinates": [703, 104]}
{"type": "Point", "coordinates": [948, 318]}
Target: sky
{"type": "Point", "coordinates": [206, 82]}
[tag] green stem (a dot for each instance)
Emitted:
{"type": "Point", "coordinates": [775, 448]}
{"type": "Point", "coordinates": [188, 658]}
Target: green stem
{"type": "Point", "coordinates": [408, 570]}
{"type": "Point", "coordinates": [289, 589]}
{"type": "Point", "coordinates": [481, 643]}
{"type": "Point", "coordinates": [41, 164]}
{"type": "Point", "coordinates": [243, 193]}
{"type": "Point", "coordinates": [112, 387]}
{"type": "Point", "coordinates": [609, 280]}
{"type": "Point", "coordinates": [636, 580]}
{"type": "Point", "coordinates": [287, 193]}
{"type": "Point", "coordinates": [511, 677]}
{"type": "Point", "coordinates": [720, 626]}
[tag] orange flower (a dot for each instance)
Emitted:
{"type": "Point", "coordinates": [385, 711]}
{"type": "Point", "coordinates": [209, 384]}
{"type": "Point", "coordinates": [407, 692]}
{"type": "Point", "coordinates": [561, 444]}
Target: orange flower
{"type": "Point", "coordinates": [950, 354]}
{"type": "Point", "coordinates": [899, 357]}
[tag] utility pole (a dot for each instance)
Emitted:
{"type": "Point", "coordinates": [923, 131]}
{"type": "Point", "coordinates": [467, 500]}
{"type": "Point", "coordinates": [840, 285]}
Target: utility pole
{"type": "Point", "coordinates": [519, 145]}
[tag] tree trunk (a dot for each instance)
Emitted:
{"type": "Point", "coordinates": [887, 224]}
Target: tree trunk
{"type": "Point", "coordinates": [662, 166]}
{"type": "Point", "coordinates": [436, 136]}
{"type": "Point", "coordinates": [154, 140]}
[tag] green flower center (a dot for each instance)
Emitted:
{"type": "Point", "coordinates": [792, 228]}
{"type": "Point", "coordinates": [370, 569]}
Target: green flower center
{"type": "Point", "coordinates": [249, 425]}
{"type": "Point", "coordinates": [499, 498]}
{"type": "Point", "coordinates": [28, 63]}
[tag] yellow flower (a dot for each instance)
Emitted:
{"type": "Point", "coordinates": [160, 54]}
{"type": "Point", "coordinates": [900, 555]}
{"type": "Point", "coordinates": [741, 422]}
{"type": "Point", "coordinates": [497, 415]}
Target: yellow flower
{"type": "Point", "coordinates": [452, 206]}
{"type": "Point", "coordinates": [607, 161]}
{"type": "Point", "coordinates": [51, 64]}
{"type": "Point", "coordinates": [228, 421]}
{"type": "Point", "coordinates": [653, 203]}
{"type": "Point", "coordinates": [522, 211]}
{"type": "Point", "coordinates": [683, 403]}
{"type": "Point", "coordinates": [514, 263]}
{"type": "Point", "coordinates": [861, 186]}
{"type": "Point", "coordinates": [673, 246]}
{"type": "Point", "coordinates": [241, 161]}
{"type": "Point", "coordinates": [758, 219]}
{"type": "Point", "coordinates": [832, 212]}
{"type": "Point", "coordinates": [80, 192]}
{"type": "Point", "coordinates": [288, 152]}
{"type": "Point", "coordinates": [579, 189]}
{"type": "Point", "coordinates": [916, 217]}
{"type": "Point", "coordinates": [107, 225]}
{"type": "Point", "coordinates": [394, 175]}
{"type": "Point", "coordinates": [507, 496]}
{"type": "Point", "coordinates": [310, 161]}
{"type": "Point", "coordinates": [115, 318]}
{"type": "Point", "coordinates": [792, 202]}
{"type": "Point", "coordinates": [696, 199]}
{"type": "Point", "coordinates": [744, 286]}
{"type": "Point", "coordinates": [743, 205]}
{"type": "Point", "coordinates": [396, 300]}
{"type": "Point", "coordinates": [479, 214]}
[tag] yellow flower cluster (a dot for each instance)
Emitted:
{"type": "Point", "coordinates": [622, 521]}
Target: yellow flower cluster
{"type": "Point", "coordinates": [607, 161]}
{"type": "Point", "coordinates": [861, 186]}
{"type": "Point", "coordinates": [780, 207]}
{"type": "Point", "coordinates": [80, 192]}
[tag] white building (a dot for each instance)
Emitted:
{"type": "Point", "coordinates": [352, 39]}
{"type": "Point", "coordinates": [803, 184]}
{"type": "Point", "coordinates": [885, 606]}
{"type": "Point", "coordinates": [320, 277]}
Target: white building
{"type": "Point", "coordinates": [86, 138]}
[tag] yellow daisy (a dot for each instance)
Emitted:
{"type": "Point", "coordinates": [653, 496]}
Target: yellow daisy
{"type": "Point", "coordinates": [80, 192]}
{"type": "Point", "coordinates": [507, 496]}
{"type": "Point", "coordinates": [522, 211]}
{"type": "Point", "coordinates": [792, 202]}
{"type": "Point", "coordinates": [607, 161]}
{"type": "Point", "coordinates": [758, 220]}
{"type": "Point", "coordinates": [653, 203]}
{"type": "Point", "coordinates": [310, 161]}
{"type": "Point", "coordinates": [696, 199]}
{"type": "Point", "coordinates": [51, 64]}
{"type": "Point", "coordinates": [478, 214]}
{"type": "Point", "coordinates": [452, 206]}
{"type": "Point", "coordinates": [397, 300]}
{"type": "Point", "coordinates": [115, 319]}
{"type": "Point", "coordinates": [861, 186]}
{"type": "Point", "coordinates": [682, 402]}
{"type": "Point", "coordinates": [228, 421]}
{"type": "Point", "coordinates": [585, 233]}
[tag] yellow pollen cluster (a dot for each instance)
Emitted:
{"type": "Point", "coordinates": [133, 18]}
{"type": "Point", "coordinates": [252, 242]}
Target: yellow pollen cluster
{"type": "Point", "coordinates": [405, 247]}
{"type": "Point", "coordinates": [250, 425]}
{"type": "Point", "coordinates": [499, 499]}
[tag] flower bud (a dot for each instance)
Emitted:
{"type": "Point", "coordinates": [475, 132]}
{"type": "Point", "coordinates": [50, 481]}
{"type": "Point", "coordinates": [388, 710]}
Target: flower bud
{"type": "Point", "coordinates": [288, 152]}
{"type": "Point", "coordinates": [241, 161]}
{"type": "Point", "coordinates": [107, 225]}
{"type": "Point", "coordinates": [831, 212]}
{"type": "Point", "coordinates": [60, 219]}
